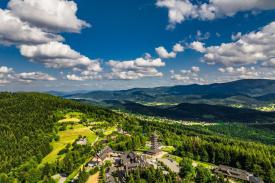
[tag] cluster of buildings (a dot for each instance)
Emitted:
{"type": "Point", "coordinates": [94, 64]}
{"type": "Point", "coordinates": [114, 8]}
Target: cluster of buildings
{"type": "Point", "coordinates": [237, 174]}
{"type": "Point", "coordinates": [124, 162]}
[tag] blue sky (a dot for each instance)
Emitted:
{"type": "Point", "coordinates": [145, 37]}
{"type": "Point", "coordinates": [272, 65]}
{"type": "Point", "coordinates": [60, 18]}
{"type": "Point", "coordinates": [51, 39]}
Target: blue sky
{"type": "Point", "coordinates": [118, 49]}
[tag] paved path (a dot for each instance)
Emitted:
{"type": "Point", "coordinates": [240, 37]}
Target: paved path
{"type": "Point", "coordinates": [173, 165]}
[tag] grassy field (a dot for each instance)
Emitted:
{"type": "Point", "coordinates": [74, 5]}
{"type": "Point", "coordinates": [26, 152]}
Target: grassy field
{"type": "Point", "coordinates": [109, 130]}
{"type": "Point", "coordinates": [169, 149]}
{"type": "Point", "coordinates": [175, 158]}
{"type": "Point", "coordinates": [268, 108]}
{"type": "Point", "coordinates": [159, 104]}
{"type": "Point", "coordinates": [203, 164]}
{"type": "Point", "coordinates": [72, 117]}
{"type": "Point", "coordinates": [68, 120]}
{"type": "Point", "coordinates": [66, 137]}
{"type": "Point", "coordinates": [93, 178]}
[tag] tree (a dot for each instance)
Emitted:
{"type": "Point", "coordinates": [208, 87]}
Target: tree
{"type": "Point", "coordinates": [48, 179]}
{"type": "Point", "coordinates": [203, 175]}
{"type": "Point", "coordinates": [272, 176]}
{"type": "Point", "coordinates": [186, 167]}
{"type": "Point", "coordinates": [46, 169]}
{"type": "Point", "coordinates": [5, 179]}
{"type": "Point", "coordinates": [131, 179]}
{"type": "Point", "coordinates": [82, 177]}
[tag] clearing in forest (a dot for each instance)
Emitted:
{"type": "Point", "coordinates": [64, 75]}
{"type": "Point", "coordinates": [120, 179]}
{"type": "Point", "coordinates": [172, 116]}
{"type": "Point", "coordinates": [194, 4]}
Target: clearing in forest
{"type": "Point", "coordinates": [66, 137]}
{"type": "Point", "coordinates": [73, 117]}
{"type": "Point", "coordinates": [93, 178]}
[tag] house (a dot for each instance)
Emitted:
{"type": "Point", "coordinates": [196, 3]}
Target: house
{"type": "Point", "coordinates": [130, 161]}
{"type": "Point", "coordinates": [121, 131]}
{"type": "Point", "coordinates": [82, 141]}
{"type": "Point", "coordinates": [237, 174]}
{"type": "Point", "coordinates": [103, 154]}
{"type": "Point", "coordinates": [92, 163]}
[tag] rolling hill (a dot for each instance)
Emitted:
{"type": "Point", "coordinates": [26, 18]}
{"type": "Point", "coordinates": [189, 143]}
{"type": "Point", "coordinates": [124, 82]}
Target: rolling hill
{"type": "Point", "coordinates": [29, 123]}
{"type": "Point", "coordinates": [198, 112]}
{"type": "Point", "coordinates": [247, 92]}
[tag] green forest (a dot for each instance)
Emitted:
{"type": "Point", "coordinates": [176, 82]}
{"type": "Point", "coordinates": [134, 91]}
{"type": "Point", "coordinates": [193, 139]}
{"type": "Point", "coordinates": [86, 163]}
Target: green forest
{"type": "Point", "coordinates": [198, 143]}
{"type": "Point", "coordinates": [31, 124]}
{"type": "Point", "coordinates": [27, 126]}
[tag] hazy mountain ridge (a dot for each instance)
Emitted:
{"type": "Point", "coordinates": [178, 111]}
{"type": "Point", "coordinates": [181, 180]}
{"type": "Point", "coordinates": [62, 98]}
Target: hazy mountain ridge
{"type": "Point", "coordinates": [244, 92]}
{"type": "Point", "coordinates": [198, 112]}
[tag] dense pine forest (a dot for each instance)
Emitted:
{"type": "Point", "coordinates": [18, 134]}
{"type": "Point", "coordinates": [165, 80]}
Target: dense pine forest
{"type": "Point", "coordinates": [27, 126]}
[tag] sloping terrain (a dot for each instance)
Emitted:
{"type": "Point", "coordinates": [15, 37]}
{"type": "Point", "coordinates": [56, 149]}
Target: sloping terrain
{"type": "Point", "coordinates": [200, 112]}
{"type": "Point", "coordinates": [249, 93]}
{"type": "Point", "coordinates": [28, 126]}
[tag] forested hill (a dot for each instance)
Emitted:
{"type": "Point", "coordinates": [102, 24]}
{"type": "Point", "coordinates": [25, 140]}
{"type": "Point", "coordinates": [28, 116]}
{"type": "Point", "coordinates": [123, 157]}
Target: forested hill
{"type": "Point", "coordinates": [27, 123]}
{"type": "Point", "coordinates": [248, 90]}
{"type": "Point", "coordinates": [199, 112]}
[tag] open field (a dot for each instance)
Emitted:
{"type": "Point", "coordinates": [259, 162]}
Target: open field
{"type": "Point", "coordinates": [169, 149]}
{"type": "Point", "coordinates": [268, 108]}
{"type": "Point", "coordinates": [68, 120]}
{"type": "Point", "coordinates": [160, 104]}
{"type": "Point", "coordinates": [72, 117]}
{"type": "Point", "coordinates": [66, 137]}
{"type": "Point", "coordinates": [93, 178]}
{"type": "Point", "coordinates": [203, 164]}
{"type": "Point", "coordinates": [110, 130]}
{"type": "Point", "coordinates": [173, 157]}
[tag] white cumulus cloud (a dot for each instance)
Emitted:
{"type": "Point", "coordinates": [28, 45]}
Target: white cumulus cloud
{"type": "Point", "coordinates": [198, 46]}
{"type": "Point", "coordinates": [252, 48]}
{"type": "Point", "coordinates": [5, 70]}
{"type": "Point", "coordinates": [181, 10]}
{"type": "Point", "coordinates": [73, 77]}
{"type": "Point", "coordinates": [34, 76]}
{"type": "Point", "coordinates": [8, 75]}
{"type": "Point", "coordinates": [188, 76]}
{"type": "Point", "coordinates": [135, 69]}
{"type": "Point", "coordinates": [52, 15]}
{"type": "Point", "coordinates": [163, 53]}
{"type": "Point", "coordinates": [15, 31]}
{"type": "Point", "coordinates": [178, 48]}
{"type": "Point", "coordinates": [58, 55]}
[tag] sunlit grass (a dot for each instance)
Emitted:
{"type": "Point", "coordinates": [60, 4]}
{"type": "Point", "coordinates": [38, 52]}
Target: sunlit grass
{"type": "Point", "coordinates": [169, 149]}
{"type": "Point", "coordinates": [109, 130]}
{"type": "Point", "coordinates": [66, 137]}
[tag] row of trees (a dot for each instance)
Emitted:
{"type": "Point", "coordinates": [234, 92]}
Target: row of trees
{"type": "Point", "coordinates": [151, 175]}
{"type": "Point", "coordinates": [198, 175]}
{"type": "Point", "coordinates": [127, 143]}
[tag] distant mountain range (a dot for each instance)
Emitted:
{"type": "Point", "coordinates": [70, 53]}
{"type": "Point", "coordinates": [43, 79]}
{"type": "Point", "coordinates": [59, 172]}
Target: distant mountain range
{"type": "Point", "coordinates": [198, 112]}
{"type": "Point", "coordinates": [245, 92]}
{"type": "Point", "coordinates": [65, 93]}
{"type": "Point", "coordinates": [219, 102]}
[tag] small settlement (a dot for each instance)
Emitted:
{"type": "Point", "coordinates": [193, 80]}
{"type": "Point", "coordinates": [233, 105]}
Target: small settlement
{"type": "Point", "coordinates": [122, 162]}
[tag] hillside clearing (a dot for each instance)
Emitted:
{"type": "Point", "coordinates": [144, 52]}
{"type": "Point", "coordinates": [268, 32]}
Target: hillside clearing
{"type": "Point", "coordinates": [93, 178]}
{"type": "Point", "coordinates": [66, 137]}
